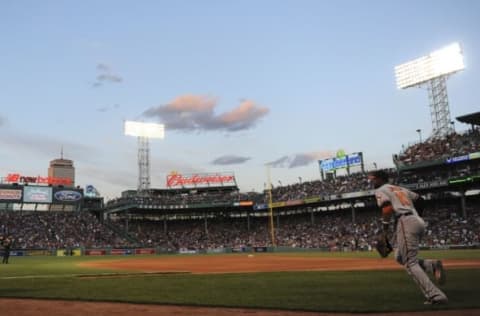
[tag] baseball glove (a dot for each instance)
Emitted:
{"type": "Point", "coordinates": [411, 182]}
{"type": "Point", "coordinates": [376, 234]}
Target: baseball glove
{"type": "Point", "coordinates": [383, 246]}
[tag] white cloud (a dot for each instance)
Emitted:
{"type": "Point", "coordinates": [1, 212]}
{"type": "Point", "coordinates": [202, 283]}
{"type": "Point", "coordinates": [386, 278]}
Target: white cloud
{"type": "Point", "coordinates": [196, 113]}
{"type": "Point", "coordinates": [230, 160]}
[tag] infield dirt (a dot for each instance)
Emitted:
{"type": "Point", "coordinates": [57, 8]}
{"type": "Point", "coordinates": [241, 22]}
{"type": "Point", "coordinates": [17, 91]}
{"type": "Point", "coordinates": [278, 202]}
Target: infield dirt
{"type": "Point", "coordinates": [259, 263]}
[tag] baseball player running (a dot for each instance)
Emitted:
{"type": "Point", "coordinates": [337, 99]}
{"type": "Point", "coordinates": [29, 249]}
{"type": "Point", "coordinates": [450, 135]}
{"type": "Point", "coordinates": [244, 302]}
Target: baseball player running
{"type": "Point", "coordinates": [398, 202]}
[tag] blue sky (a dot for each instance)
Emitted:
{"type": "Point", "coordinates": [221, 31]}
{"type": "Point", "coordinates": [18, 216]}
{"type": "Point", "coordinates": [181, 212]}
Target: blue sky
{"type": "Point", "coordinates": [256, 81]}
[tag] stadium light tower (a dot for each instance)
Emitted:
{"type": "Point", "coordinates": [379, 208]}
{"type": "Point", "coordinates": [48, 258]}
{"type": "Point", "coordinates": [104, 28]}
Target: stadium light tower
{"type": "Point", "coordinates": [144, 131]}
{"type": "Point", "coordinates": [433, 71]}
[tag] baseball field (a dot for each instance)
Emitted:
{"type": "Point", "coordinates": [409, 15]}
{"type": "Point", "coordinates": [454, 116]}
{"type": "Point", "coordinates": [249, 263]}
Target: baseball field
{"type": "Point", "coordinates": [307, 283]}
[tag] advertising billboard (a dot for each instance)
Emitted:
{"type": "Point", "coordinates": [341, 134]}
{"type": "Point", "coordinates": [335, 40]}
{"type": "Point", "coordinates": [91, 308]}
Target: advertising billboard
{"type": "Point", "coordinates": [342, 162]}
{"type": "Point", "coordinates": [10, 195]}
{"type": "Point", "coordinates": [61, 195]}
{"type": "Point", "coordinates": [21, 179]}
{"type": "Point", "coordinates": [37, 194]}
{"type": "Point", "coordinates": [177, 180]}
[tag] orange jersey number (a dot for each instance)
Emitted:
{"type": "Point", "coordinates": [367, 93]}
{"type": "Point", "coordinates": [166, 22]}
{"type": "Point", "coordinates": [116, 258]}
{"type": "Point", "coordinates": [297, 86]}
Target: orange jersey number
{"type": "Point", "coordinates": [401, 196]}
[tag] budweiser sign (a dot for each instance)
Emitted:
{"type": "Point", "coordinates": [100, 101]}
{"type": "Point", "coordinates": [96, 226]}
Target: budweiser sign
{"type": "Point", "coordinates": [196, 180]}
{"type": "Point", "coordinates": [17, 178]}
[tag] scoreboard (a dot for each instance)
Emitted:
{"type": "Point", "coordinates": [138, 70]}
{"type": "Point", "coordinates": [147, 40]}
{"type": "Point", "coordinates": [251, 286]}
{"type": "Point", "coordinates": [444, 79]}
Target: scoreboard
{"type": "Point", "coordinates": [346, 161]}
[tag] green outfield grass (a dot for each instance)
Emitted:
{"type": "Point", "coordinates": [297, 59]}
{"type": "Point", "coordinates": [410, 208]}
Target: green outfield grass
{"type": "Point", "coordinates": [366, 291]}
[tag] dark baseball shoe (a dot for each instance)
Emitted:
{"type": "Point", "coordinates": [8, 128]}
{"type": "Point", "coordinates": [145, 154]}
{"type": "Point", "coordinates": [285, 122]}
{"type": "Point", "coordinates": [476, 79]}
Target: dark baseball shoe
{"type": "Point", "coordinates": [436, 300]}
{"type": "Point", "coordinates": [439, 272]}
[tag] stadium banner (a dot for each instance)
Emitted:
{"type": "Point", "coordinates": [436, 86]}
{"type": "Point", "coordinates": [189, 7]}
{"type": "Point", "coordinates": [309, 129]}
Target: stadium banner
{"type": "Point", "coordinates": [463, 180]}
{"type": "Point", "coordinates": [165, 207]}
{"type": "Point", "coordinates": [69, 252]}
{"type": "Point", "coordinates": [426, 185]}
{"type": "Point", "coordinates": [185, 251]}
{"type": "Point", "coordinates": [457, 159]}
{"type": "Point", "coordinates": [95, 252]}
{"type": "Point", "coordinates": [145, 251]}
{"type": "Point", "coordinates": [433, 184]}
{"type": "Point", "coordinates": [243, 203]}
{"type": "Point", "coordinates": [335, 197]}
{"type": "Point", "coordinates": [40, 252]}
{"type": "Point", "coordinates": [260, 206]}
{"type": "Point", "coordinates": [17, 253]}
{"type": "Point", "coordinates": [120, 252]}
{"type": "Point", "coordinates": [358, 194]}
{"type": "Point", "coordinates": [298, 249]}
{"type": "Point", "coordinates": [77, 252]}
{"type": "Point", "coordinates": [67, 196]}
{"type": "Point", "coordinates": [239, 249]}
{"type": "Point", "coordinates": [201, 180]}
{"type": "Point", "coordinates": [278, 204]}
{"type": "Point", "coordinates": [420, 164]}
{"type": "Point", "coordinates": [216, 250]}
{"type": "Point", "coordinates": [470, 156]}
{"type": "Point", "coordinates": [260, 249]}
{"type": "Point", "coordinates": [20, 179]}
{"type": "Point", "coordinates": [37, 194]}
{"type": "Point", "coordinates": [10, 195]}
{"type": "Point", "coordinates": [293, 202]}
{"type": "Point", "coordinates": [342, 161]}
{"type": "Point", "coordinates": [204, 205]}
{"type": "Point", "coordinates": [312, 200]}
{"type": "Point", "coordinates": [475, 155]}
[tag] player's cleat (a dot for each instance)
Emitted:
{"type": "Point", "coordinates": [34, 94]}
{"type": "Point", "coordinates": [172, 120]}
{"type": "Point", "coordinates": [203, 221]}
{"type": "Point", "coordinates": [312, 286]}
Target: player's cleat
{"type": "Point", "coordinates": [439, 272]}
{"type": "Point", "coordinates": [436, 300]}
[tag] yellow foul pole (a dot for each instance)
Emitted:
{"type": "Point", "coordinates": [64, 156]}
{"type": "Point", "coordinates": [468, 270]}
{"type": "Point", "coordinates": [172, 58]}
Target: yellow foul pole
{"type": "Point", "coordinates": [270, 207]}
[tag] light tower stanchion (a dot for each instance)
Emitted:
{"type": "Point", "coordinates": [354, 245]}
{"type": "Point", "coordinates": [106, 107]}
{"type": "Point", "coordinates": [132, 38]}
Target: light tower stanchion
{"type": "Point", "coordinates": [144, 132]}
{"type": "Point", "coordinates": [143, 165]}
{"type": "Point", "coordinates": [439, 108]}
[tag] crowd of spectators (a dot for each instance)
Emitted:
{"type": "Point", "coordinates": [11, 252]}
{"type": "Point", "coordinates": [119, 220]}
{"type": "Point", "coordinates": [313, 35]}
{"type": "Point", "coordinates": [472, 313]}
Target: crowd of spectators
{"type": "Point", "coordinates": [185, 198]}
{"type": "Point", "coordinates": [332, 186]}
{"type": "Point", "coordinates": [452, 145]}
{"type": "Point", "coordinates": [56, 229]}
{"type": "Point", "coordinates": [332, 230]}
{"type": "Point", "coordinates": [450, 228]}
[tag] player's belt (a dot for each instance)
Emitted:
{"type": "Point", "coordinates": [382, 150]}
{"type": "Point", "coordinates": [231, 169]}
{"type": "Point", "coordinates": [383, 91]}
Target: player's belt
{"type": "Point", "coordinates": [405, 214]}
{"type": "Point", "coordinates": [397, 217]}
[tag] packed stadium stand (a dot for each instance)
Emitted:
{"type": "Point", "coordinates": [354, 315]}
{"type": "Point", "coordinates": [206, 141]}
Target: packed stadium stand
{"type": "Point", "coordinates": [334, 214]}
{"type": "Point", "coordinates": [453, 145]}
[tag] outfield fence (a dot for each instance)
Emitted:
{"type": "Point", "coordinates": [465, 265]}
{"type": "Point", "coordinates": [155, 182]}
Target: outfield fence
{"type": "Point", "coordinates": [108, 251]}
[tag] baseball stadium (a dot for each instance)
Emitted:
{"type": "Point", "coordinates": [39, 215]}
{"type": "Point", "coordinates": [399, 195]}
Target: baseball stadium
{"type": "Point", "coordinates": [200, 246]}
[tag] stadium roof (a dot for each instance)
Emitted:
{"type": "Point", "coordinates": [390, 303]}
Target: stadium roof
{"type": "Point", "coordinates": [472, 118]}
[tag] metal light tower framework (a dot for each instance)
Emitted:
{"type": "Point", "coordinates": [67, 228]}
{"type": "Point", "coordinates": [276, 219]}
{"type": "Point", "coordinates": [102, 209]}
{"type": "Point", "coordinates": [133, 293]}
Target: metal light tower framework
{"type": "Point", "coordinates": [439, 108]}
{"type": "Point", "coordinates": [143, 164]}
{"type": "Point", "coordinates": [143, 132]}
{"type": "Point", "coordinates": [432, 72]}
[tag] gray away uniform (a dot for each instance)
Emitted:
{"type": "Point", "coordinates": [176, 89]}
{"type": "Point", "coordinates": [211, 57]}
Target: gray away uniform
{"type": "Point", "coordinates": [409, 228]}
